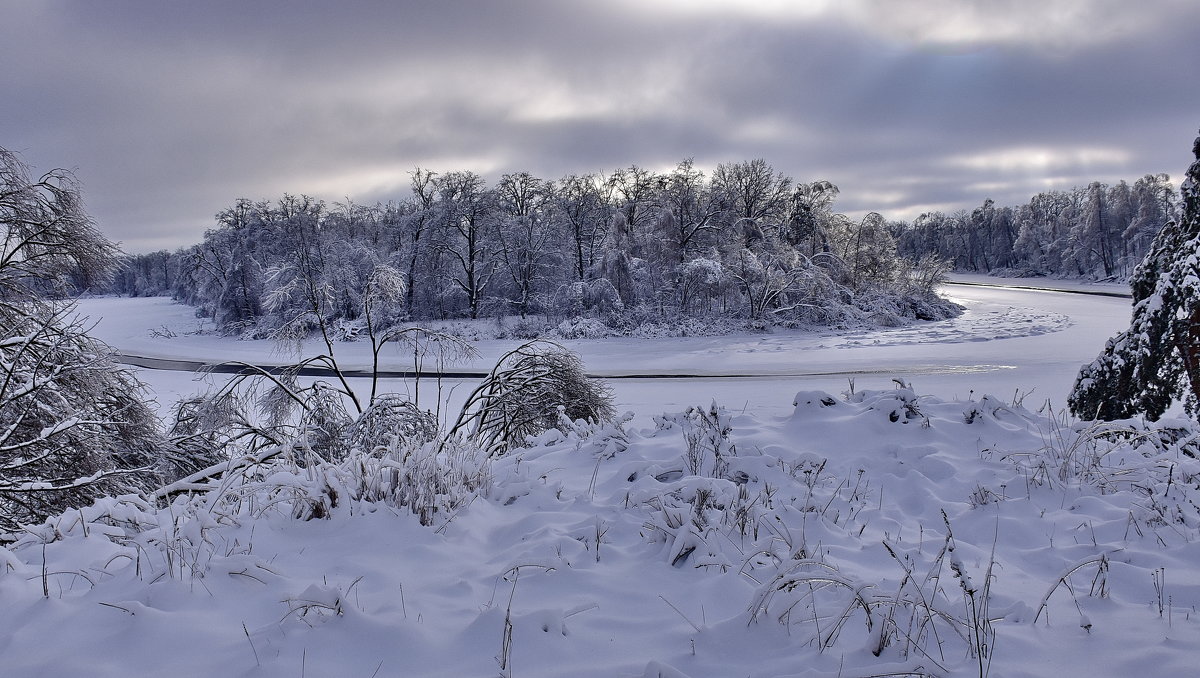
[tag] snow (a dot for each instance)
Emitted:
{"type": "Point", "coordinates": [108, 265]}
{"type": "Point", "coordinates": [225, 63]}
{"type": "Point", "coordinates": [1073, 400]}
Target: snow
{"type": "Point", "coordinates": [756, 533]}
{"type": "Point", "coordinates": [1007, 341]}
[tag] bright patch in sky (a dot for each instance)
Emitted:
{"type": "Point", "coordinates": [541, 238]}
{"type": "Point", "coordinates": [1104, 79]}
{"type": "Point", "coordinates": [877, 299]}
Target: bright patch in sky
{"type": "Point", "coordinates": [1040, 160]}
{"type": "Point", "coordinates": [1055, 25]}
{"type": "Point", "coordinates": [367, 179]}
{"type": "Point", "coordinates": [1059, 24]}
{"type": "Point", "coordinates": [769, 9]}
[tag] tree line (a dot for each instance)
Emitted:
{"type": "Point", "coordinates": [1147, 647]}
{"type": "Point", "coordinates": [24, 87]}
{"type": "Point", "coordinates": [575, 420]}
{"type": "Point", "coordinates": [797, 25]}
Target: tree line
{"type": "Point", "coordinates": [747, 243]}
{"type": "Point", "coordinates": [1095, 231]}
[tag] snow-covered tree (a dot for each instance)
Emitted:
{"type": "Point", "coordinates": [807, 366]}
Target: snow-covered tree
{"type": "Point", "coordinates": [689, 211]}
{"type": "Point", "coordinates": [73, 424]}
{"type": "Point", "coordinates": [528, 240]}
{"type": "Point", "coordinates": [752, 190]}
{"type": "Point", "coordinates": [810, 219]}
{"type": "Point", "coordinates": [867, 251]}
{"type": "Point", "coordinates": [466, 236]}
{"type": "Point", "coordinates": [1157, 360]}
{"type": "Point", "coordinates": [580, 206]}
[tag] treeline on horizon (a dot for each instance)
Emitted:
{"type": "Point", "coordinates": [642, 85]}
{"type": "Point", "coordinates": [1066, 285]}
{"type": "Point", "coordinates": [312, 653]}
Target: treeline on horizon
{"type": "Point", "coordinates": [1092, 232]}
{"type": "Point", "coordinates": [747, 243]}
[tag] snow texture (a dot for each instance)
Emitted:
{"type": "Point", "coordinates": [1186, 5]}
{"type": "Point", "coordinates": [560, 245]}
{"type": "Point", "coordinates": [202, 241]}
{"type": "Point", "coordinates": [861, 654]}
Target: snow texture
{"type": "Point", "coordinates": [878, 533]}
{"type": "Point", "coordinates": [771, 525]}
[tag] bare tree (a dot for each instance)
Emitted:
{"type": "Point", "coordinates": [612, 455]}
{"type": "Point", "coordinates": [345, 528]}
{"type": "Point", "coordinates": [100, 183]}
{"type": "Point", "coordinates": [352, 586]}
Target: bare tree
{"type": "Point", "coordinates": [689, 210]}
{"type": "Point", "coordinates": [581, 205]}
{"type": "Point", "coordinates": [527, 237]}
{"type": "Point", "coordinates": [417, 224]}
{"type": "Point", "coordinates": [752, 190]}
{"type": "Point", "coordinates": [465, 204]}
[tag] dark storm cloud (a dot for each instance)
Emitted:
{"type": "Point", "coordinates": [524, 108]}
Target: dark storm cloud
{"type": "Point", "coordinates": [169, 112]}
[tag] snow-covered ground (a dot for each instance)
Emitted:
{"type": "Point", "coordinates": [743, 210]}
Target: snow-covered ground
{"type": "Point", "coordinates": [798, 532]}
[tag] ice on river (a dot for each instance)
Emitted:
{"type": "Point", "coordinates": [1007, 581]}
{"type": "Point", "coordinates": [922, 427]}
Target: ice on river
{"type": "Point", "coordinates": [1007, 341]}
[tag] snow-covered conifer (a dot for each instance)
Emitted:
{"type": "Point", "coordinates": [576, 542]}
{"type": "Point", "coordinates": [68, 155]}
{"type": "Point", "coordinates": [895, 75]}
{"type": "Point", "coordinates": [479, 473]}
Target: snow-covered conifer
{"type": "Point", "coordinates": [1157, 360]}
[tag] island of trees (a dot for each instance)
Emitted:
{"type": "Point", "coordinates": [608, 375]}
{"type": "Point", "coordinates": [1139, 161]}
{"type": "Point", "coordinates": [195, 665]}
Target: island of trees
{"type": "Point", "coordinates": [748, 246]}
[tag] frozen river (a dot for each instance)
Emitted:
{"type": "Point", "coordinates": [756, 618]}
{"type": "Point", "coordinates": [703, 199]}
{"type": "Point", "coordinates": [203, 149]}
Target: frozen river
{"type": "Point", "coordinates": [1010, 343]}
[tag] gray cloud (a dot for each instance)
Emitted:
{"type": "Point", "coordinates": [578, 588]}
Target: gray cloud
{"type": "Point", "coordinates": [169, 112]}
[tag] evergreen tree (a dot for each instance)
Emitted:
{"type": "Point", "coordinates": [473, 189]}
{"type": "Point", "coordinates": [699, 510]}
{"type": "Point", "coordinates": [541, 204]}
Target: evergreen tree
{"type": "Point", "coordinates": [1156, 360]}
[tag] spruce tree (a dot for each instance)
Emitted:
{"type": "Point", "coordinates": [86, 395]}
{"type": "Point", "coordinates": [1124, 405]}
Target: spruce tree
{"type": "Point", "coordinates": [1157, 360]}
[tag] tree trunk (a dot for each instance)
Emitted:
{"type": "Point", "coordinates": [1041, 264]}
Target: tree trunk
{"type": "Point", "coordinates": [1189, 349]}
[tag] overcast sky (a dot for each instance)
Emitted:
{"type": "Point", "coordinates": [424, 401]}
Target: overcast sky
{"type": "Point", "coordinates": [169, 111]}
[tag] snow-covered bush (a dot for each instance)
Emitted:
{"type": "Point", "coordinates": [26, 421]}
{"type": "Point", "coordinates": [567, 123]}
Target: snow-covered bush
{"type": "Point", "coordinates": [428, 479]}
{"type": "Point", "coordinates": [582, 328]}
{"type": "Point", "coordinates": [390, 421]}
{"type": "Point", "coordinates": [706, 432]}
{"type": "Point", "coordinates": [531, 389]}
